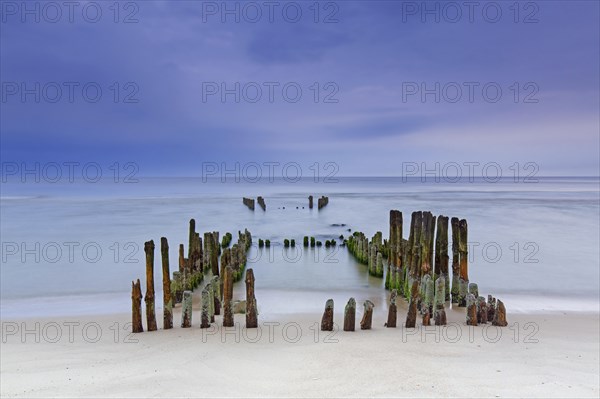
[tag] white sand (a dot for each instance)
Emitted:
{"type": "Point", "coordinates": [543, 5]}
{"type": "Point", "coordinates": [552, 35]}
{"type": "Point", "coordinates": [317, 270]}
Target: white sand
{"type": "Point", "coordinates": [380, 362]}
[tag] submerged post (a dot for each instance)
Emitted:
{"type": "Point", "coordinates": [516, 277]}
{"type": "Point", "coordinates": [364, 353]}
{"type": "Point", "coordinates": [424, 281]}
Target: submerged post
{"type": "Point", "coordinates": [150, 310]}
{"type": "Point", "coordinates": [166, 275]}
{"type": "Point", "coordinates": [136, 307]}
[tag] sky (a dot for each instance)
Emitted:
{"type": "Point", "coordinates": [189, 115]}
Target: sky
{"type": "Point", "coordinates": [367, 85]}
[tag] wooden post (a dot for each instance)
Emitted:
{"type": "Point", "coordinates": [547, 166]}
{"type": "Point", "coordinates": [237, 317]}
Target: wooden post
{"type": "Point", "coordinates": [186, 309]}
{"type": "Point", "coordinates": [136, 307]}
{"type": "Point", "coordinates": [210, 302]}
{"type": "Point", "coordinates": [500, 315]}
{"type": "Point", "coordinates": [471, 310]}
{"type": "Point", "coordinates": [367, 319]}
{"type": "Point", "coordinates": [214, 253]}
{"type": "Point", "coordinates": [427, 300]}
{"type": "Point", "coordinates": [205, 315]}
{"type": "Point", "coordinates": [441, 253]}
{"type": "Point", "coordinates": [411, 317]}
{"type": "Point", "coordinates": [310, 202]}
{"type": "Point", "coordinates": [216, 285]}
{"type": "Point", "coordinates": [396, 253]}
{"type": "Point", "coordinates": [463, 275]}
{"type": "Point", "coordinates": [482, 311]}
{"type": "Point", "coordinates": [491, 307]}
{"type": "Point", "coordinates": [350, 315]}
{"type": "Point", "coordinates": [150, 310]}
{"type": "Point", "coordinates": [427, 243]}
{"type": "Point", "coordinates": [455, 259]}
{"type": "Point", "coordinates": [181, 258]}
{"type": "Point", "coordinates": [228, 297]}
{"type": "Point", "coordinates": [166, 275]}
{"type": "Point", "coordinates": [392, 311]}
{"type": "Point", "coordinates": [261, 202]}
{"type": "Point", "coordinates": [251, 312]}
{"type": "Point", "coordinates": [327, 319]}
{"type": "Point", "coordinates": [439, 313]}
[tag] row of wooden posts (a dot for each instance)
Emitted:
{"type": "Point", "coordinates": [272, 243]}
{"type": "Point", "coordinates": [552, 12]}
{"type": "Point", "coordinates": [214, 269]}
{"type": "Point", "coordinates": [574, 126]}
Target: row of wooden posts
{"type": "Point", "coordinates": [249, 202]}
{"type": "Point", "coordinates": [191, 272]}
{"type": "Point", "coordinates": [418, 268]}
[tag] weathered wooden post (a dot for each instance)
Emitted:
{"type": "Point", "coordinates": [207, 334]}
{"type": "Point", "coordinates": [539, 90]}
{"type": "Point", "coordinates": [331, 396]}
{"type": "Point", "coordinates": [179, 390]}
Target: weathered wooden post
{"type": "Point", "coordinates": [249, 202]}
{"type": "Point", "coordinates": [215, 282]}
{"type": "Point", "coordinates": [500, 315]}
{"type": "Point", "coordinates": [350, 315]}
{"type": "Point", "coordinates": [310, 202]}
{"type": "Point", "coordinates": [261, 202]}
{"type": "Point", "coordinates": [439, 313]}
{"type": "Point", "coordinates": [482, 311]}
{"type": "Point", "coordinates": [463, 281]}
{"type": "Point", "coordinates": [150, 309]}
{"type": "Point", "coordinates": [251, 312]}
{"type": "Point", "coordinates": [392, 310]}
{"type": "Point", "coordinates": [186, 309]}
{"type": "Point", "coordinates": [455, 259]}
{"type": "Point", "coordinates": [367, 319]}
{"type": "Point", "coordinates": [210, 302]}
{"type": "Point", "coordinates": [411, 317]}
{"type": "Point", "coordinates": [396, 252]}
{"type": "Point", "coordinates": [136, 307]}
{"type": "Point", "coordinates": [491, 307]}
{"type": "Point", "coordinates": [379, 265]}
{"type": "Point", "coordinates": [205, 315]}
{"type": "Point", "coordinates": [427, 300]}
{"type": "Point", "coordinates": [441, 252]}
{"type": "Point", "coordinates": [474, 289]}
{"type": "Point", "coordinates": [427, 243]}
{"type": "Point", "coordinates": [327, 319]}
{"type": "Point", "coordinates": [471, 310]}
{"type": "Point", "coordinates": [415, 272]}
{"type": "Point", "coordinates": [228, 297]}
{"type": "Point", "coordinates": [181, 258]}
{"type": "Point", "coordinates": [177, 287]}
{"type": "Point", "coordinates": [166, 275]}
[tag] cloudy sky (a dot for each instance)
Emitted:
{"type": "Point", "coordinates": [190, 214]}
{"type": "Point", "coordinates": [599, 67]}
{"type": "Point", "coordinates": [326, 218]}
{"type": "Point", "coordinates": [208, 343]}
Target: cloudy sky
{"type": "Point", "coordinates": [381, 83]}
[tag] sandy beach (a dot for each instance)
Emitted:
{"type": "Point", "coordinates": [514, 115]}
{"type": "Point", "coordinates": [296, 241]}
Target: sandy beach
{"type": "Point", "coordinates": [537, 355]}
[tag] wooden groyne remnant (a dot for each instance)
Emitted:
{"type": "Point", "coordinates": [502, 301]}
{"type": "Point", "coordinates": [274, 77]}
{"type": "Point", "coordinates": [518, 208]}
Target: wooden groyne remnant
{"type": "Point", "coordinates": [310, 202]}
{"type": "Point", "coordinates": [251, 311]}
{"type": "Point", "coordinates": [249, 202]}
{"type": "Point", "coordinates": [327, 319]}
{"type": "Point", "coordinates": [367, 319]}
{"type": "Point", "coordinates": [419, 268]}
{"type": "Point", "coordinates": [350, 315]}
{"type": "Point", "coordinates": [392, 310]}
{"type": "Point", "coordinates": [261, 202]}
{"type": "Point", "coordinates": [149, 299]}
{"type": "Point", "coordinates": [368, 252]}
{"type": "Point", "coordinates": [136, 307]}
{"type": "Point", "coordinates": [166, 275]}
{"type": "Point", "coordinates": [322, 202]}
{"type": "Point", "coordinates": [203, 257]}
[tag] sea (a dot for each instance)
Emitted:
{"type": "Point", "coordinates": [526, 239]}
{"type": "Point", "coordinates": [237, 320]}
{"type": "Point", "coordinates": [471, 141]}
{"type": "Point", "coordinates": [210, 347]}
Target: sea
{"type": "Point", "coordinates": [74, 247]}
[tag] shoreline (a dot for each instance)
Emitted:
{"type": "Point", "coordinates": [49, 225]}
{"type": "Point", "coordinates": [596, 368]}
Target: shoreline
{"type": "Point", "coordinates": [542, 355]}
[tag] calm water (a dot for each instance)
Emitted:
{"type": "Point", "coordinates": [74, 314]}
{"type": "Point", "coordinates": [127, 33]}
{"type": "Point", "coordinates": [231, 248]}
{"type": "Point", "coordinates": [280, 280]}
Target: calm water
{"type": "Point", "coordinates": [535, 245]}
